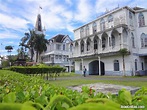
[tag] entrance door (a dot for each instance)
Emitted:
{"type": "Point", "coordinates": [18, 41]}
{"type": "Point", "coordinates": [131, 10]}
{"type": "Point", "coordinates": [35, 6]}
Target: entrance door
{"type": "Point", "coordinates": [94, 68]}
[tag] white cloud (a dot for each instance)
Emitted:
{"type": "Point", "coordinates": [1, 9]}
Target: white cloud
{"type": "Point", "coordinates": [8, 35]}
{"type": "Point", "coordinates": [84, 11]}
{"type": "Point", "coordinates": [12, 22]}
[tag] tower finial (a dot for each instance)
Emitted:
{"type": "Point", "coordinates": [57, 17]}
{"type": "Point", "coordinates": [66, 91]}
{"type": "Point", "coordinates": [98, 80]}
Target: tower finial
{"type": "Point", "coordinates": [40, 8]}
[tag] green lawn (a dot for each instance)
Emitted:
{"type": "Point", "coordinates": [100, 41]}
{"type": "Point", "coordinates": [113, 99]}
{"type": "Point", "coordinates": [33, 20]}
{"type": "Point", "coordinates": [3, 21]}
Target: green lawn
{"type": "Point", "coordinates": [71, 79]}
{"type": "Point", "coordinates": [127, 81]}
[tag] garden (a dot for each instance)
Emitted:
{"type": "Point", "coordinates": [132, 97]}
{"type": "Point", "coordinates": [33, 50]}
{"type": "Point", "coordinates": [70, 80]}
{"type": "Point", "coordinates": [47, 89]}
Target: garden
{"type": "Point", "coordinates": [22, 89]}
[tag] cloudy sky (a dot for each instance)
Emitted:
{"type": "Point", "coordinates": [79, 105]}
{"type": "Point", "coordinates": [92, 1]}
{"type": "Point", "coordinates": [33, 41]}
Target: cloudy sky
{"type": "Point", "coordinates": [58, 16]}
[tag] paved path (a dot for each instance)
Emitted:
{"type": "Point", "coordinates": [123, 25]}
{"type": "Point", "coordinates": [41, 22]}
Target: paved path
{"type": "Point", "coordinates": [105, 88]}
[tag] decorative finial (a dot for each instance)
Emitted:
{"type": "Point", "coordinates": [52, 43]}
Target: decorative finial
{"type": "Point", "coordinates": [40, 8]}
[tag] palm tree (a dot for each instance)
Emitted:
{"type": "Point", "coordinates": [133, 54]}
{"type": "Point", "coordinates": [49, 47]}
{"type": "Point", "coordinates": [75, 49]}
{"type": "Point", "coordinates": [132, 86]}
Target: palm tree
{"type": "Point", "coordinates": [123, 52]}
{"type": "Point", "coordinates": [40, 45]}
{"type": "Point", "coordinates": [30, 43]}
{"type": "Point", "coordinates": [36, 42]}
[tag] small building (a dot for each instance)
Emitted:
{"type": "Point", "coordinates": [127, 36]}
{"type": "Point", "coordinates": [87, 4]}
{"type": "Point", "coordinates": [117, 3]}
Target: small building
{"type": "Point", "coordinates": [58, 52]}
{"type": "Point", "coordinates": [97, 43]}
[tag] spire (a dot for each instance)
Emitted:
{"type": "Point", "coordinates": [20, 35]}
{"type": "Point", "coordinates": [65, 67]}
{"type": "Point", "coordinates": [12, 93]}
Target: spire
{"type": "Point", "coordinates": [38, 26]}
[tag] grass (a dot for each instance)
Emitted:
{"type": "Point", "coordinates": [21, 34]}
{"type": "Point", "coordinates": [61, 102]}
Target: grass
{"type": "Point", "coordinates": [66, 83]}
{"type": "Point", "coordinates": [126, 81]}
{"type": "Point", "coordinates": [71, 79]}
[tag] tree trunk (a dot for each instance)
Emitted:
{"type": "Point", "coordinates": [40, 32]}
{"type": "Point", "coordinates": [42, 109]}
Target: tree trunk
{"type": "Point", "coordinates": [36, 56]}
{"type": "Point", "coordinates": [124, 66]}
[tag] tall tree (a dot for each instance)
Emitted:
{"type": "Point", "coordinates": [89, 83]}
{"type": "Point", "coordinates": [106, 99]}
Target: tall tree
{"type": "Point", "coordinates": [30, 42]}
{"type": "Point", "coordinates": [9, 49]}
{"type": "Point", "coordinates": [123, 52]}
{"type": "Point", "coordinates": [37, 43]}
{"type": "Point", "coordinates": [40, 45]}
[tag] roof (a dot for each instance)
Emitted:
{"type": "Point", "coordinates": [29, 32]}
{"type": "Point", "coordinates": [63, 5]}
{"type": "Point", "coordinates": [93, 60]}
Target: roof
{"type": "Point", "coordinates": [59, 38]}
{"type": "Point", "coordinates": [137, 8]}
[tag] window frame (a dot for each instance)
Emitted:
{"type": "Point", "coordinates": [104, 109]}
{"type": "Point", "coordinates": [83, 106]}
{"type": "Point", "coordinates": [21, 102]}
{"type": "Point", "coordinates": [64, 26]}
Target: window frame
{"type": "Point", "coordinates": [141, 19]}
{"type": "Point", "coordinates": [116, 65]}
{"type": "Point", "coordinates": [110, 18]}
{"type": "Point", "coordinates": [94, 27]}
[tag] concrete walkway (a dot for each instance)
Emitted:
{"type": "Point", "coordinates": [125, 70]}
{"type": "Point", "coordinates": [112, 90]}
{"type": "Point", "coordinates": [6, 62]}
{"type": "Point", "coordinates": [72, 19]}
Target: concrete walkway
{"type": "Point", "coordinates": [105, 88]}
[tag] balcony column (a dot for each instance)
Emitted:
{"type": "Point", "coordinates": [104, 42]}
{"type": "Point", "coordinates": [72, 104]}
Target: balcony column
{"type": "Point", "coordinates": [78, 51]}
{"type": "Point", "coordinates": [120, 36]}
{"type": "Point", "coordinates": [85, 46]}
{"type": "Point", "coordinates": [99, 65]}
{"type": "Point", "coordinates": [92, 44]}
{"type": "Point", "coordinates": [121, 40]}
{"type": "Point", "coordinates": [100, 43]}
{"type": "Point", "coordinates": [109, 41]}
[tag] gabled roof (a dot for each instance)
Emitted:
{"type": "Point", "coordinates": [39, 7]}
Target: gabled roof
{"type": "Point", "coordinates": [137, 8]}
{"type": "Point", "coordinates": [59, 38]}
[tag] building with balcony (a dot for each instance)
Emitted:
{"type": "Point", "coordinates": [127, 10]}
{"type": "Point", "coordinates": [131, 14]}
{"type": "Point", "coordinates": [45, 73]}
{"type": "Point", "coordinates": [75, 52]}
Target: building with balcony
{"type": "Point", "coordinates": [97, 43]}
{"type": "Point", "coordinates": [58, 52]}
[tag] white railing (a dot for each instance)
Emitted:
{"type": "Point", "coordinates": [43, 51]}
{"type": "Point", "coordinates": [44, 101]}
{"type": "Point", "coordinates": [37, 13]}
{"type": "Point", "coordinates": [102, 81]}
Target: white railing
{"type": "Point", "coordinates": [100, 51]}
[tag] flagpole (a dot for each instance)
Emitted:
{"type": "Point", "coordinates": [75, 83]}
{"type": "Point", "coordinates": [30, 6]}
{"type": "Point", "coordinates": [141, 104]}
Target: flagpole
{"type": "Point", "coordinates": [40, 8]}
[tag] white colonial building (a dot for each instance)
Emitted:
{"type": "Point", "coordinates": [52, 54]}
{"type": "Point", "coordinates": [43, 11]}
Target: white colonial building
{"type": "Point", "coordinates": [58, 52]}
{"type": "Point", "coordinates": [97, 43]}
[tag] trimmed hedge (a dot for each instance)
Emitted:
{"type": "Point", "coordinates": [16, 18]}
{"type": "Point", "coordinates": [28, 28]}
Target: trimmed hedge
{"type": "Point", "coordinates": [37, 69]}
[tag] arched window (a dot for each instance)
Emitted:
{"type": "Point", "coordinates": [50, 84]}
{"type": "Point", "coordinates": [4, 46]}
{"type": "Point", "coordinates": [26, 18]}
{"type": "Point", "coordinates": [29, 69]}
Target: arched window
{"type": "Point", "coordinates": [94, 27]}
{"type": "Point", "coordinates": [133, 40]}
{"type": "Point", "coordinates": [88, 45]}
{"type": "Point", "coordinates": [95, 44]}
{"type": "Point", "coordinates": [82, 32]}
{"type": "Point", "coordinates": [113, 41]}
{"type": "Point", "coordinates": [141, 20]}
{"type": "Point", "coordinates": [130, 14]}
{"type": "Point", "coordinates": [82, 46]}
{"type": "Point", "coordinates": [63, 46]}
{"type": "Point", "coordinates": [71, 46]}
{"type": "Point", "coordinates": [102, 24]}
{"type": "Point", "coordinates": [116, 65]}
{"type": "Point", "coordinates": [110, 18]}
{"type": "Point", "coordinates": [87, 30]}
{"type": "Point", "coordinates": [143, 40]}
{"type": "Point", "coordinates": [103, 42]}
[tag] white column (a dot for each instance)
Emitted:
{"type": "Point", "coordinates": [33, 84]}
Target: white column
{"type": "Point", "coordinates": [69, 65]}
{"type": "Point", "coordinates": [99, 65]}
{"type": "Point", "coordinates": [121, 40]}
{"type": "Point", "coordinates": [82, 65]}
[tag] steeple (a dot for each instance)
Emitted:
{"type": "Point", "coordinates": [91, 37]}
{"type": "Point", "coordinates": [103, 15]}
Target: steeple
{"type": "Point", "coordinates": [38, 25]}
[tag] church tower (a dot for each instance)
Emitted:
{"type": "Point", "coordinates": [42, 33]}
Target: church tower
{"type": "Point", "coordinates": [38, 25]}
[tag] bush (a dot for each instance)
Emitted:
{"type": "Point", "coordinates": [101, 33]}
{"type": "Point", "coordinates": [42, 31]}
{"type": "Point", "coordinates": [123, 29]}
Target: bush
{"type": "Point", "coordinates": [5, 64]}
{"type": "Point", "coordinates": [39, 69]}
